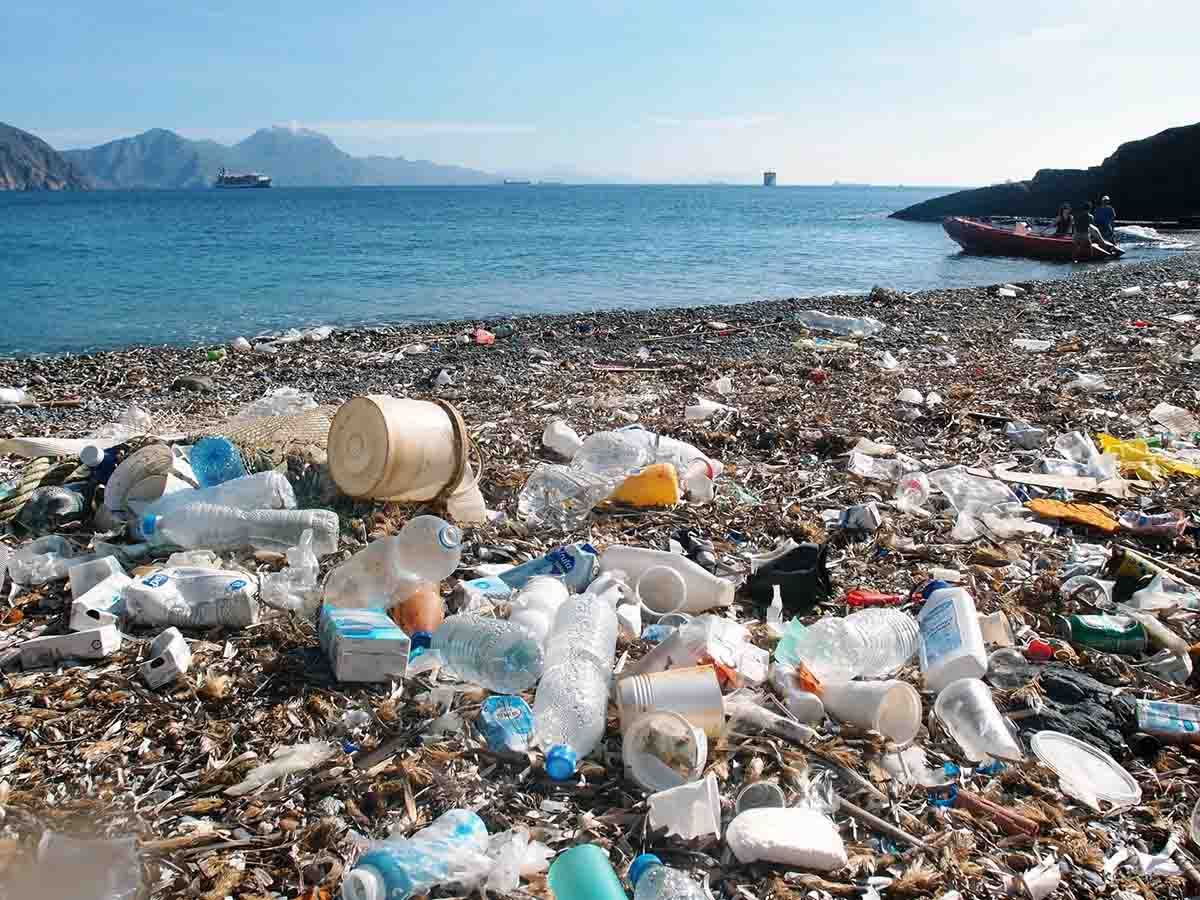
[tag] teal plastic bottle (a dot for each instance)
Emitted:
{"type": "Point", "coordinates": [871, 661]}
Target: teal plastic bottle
{"type": "Point", "coordinates": [584, 873]}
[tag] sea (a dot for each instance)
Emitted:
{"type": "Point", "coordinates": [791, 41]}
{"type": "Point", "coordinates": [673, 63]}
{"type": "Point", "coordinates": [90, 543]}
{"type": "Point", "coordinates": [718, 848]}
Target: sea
{"type": "Point", "coordinates": [109, 269]}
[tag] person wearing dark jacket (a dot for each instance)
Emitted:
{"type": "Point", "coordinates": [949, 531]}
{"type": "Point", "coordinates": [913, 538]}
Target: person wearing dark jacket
{"type": "Point", "coordinates": [1088, 238]}
{"type": "Point", "coordinates": [1106, 219]}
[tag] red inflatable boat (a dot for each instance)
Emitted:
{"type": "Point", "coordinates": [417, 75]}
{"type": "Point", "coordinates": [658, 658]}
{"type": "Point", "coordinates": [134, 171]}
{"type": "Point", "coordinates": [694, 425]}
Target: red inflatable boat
{"type": "Point", "coordinates": [979, 237]}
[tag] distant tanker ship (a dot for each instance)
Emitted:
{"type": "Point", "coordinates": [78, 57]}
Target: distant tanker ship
{"type": "Point", "coordinates": [249, 180]}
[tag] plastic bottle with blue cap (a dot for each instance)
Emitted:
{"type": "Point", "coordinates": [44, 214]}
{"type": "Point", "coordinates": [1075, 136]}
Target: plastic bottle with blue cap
{"type": "Point", "coordinates": [652, 880]}
{"type": "Point", "coordinates": [570, 708]}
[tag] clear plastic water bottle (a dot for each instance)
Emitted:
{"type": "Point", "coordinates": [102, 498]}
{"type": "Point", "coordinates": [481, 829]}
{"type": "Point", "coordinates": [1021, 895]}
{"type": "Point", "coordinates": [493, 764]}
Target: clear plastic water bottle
{"type": "Point", "coordinates": [265, 490]}
{"type": "Point", "coordinates": [570, 708]}
{"type": "Point", "coordinates": [453, 849]}
{"type": "Point", "coordinates": [652, 880]}
{"type": "Point", "coordinates": [215, 460]}
{"type": "Point", "coordinates": [495, 653]}
{"type": "Point", "coordinates": [830, 648]}
{"type": "Point", "coordinates": [427, 549]}
{"type": "Point", "coordinates": [537, 603]}
{"type": "Point", "coordinates": [209, 527]}
{"type": "Point", "coordinates": [562, 496]}
{"type": "Point", "coordinates": [891, 638]}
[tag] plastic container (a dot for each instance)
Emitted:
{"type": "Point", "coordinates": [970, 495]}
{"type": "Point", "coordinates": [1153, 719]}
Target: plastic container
{"type": "Point", "coordinates": [215, 460]}
{"type": "Point", "coordinates": [86, 576]}
{"type": "Point", "coordinates": [652, 880]}
{"type": "Point", "coordinates": [427, 549]}
{"type": "Point", "coordinates": [663, 750]}
{"type": "Point", "coordinates": [570, 708]}
{"type": "Point", "coordinates": [561, 438]}
{"type": "Point", "coordinates": [224, 528]}
{"type": "Point", "coordinates": [168, 657]}
{"type": "Point", "coordinates": [581, 873]}
{"type": "Point", "coordinates": [537, 603]}
{"type": "Point", "coordinates": [951, 641]}
{"type": "Point", "coordinates": [694, 693]}
{"type": "Point", "coordinates": [890, 640]}
{"type": "Point", "coordinates": [661, 591]}
{"type": "Point", "coordinates": [892, 708]}
{"type": "Point", "coordinates": [655, 485]}
{"type": "Point", "coordinates": [453, 848]}
{"type": "Point", "coordinates": [193, 597]}
{"type": "Point", "coordinates": [494, 653]}
{"type": "Point", "coordinates": [966, 708]}
{"type": "Point", "coordinates": [830, 648]}
{"type": "Point", "coordinates": [400, 449]}
{"type": "Point", "coordinates": [363, 645]}
{"type": "Point", "coordinates": [690, 811]}
{"type": "Point", "coordinates": [420, 614]}
{"type": "Point", "coordinates": [264, 490]}
{"type": "Point", "coordinates": [704, 590]}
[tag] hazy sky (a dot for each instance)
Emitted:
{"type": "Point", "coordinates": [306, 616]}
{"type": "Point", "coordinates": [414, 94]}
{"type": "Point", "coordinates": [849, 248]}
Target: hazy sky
{"type": "Point", "coordinates": [920, 92]}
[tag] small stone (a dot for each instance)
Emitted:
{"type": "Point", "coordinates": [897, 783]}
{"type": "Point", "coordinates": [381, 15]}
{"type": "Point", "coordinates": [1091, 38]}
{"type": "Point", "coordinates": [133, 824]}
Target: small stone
{"type": "Point", "coordinates": [200, 383]}
{"type": "Point", "coordinates": [270, 558]}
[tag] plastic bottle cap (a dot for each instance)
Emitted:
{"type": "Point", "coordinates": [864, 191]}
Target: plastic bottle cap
{"type": "Point", "coordinates": [91, 456]}
{"type": "Point", "coordinates": [150, 525]}
{"type": "Point", "coordinates": [936, 585]}
{"type": "Point", "coordinates": [449, 537]}
{"type": "Point", "coordinates": [421, 639]}
{"type": "Point", "coordinates": [561, 762]}
{"type": "Point", "coordinates": [640, 865]}
{"type": "Point", "coordinates": [363, 884]}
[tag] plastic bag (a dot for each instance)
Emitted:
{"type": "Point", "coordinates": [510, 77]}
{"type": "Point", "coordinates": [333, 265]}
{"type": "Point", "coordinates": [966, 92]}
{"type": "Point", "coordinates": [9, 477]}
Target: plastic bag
{"type": "Point", "coordinates": [515, 856]}
{"type": "Point", "coordinates": [1136, 458]}
{"type": "Point", "coordinates": [296, 587]}
{"type": "Point", "coordinates": [284, 401]}
{"type": "Point", "coordinates": [284, 761]}
{"type": "Point", "coordinates": [40, 561]}
{"type": "Point", "coordinates": [1078, 447]}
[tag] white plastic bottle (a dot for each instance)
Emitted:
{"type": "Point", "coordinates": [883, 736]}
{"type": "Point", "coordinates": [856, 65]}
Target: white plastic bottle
{"type": "Point", "coordinates": [537, 603]}
{"type": "Point", "coordinates": [570, 708]}
{"type": "Point", "coordinates": [495, 653]}
{"type": "Point", "coordinates": [264, 490]}
{"type": "Point", "coordinates": [652, 880]}
{"type": "Point", "coordinates": [209, 527]}
{"type": "Point", "coordinates": [427, 549]}
{"type": "Point", "coordinates": [704, 590]}
{"type": "Point", "coordinates": [951, 640]}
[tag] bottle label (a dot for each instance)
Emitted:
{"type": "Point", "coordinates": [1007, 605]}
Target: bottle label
{"type": "Point", "coordinates": [1114, 634]}
{"type": "Point", "coordinates": [1169, 719]}
{"type": "Point", "coordinates": [940, 633]}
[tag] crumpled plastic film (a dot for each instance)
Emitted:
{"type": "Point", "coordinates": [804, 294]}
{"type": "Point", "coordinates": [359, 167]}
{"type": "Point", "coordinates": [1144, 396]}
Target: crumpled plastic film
{"type": "Point", "coordinates": [1137, 459]}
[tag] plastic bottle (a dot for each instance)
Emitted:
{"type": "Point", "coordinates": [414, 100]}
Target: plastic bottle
{"type": "Point", "coordinates": [193, 597]}
{"type": "Point", "coordinates": [890, 639]}
{"type": "Point", "coordinates": [451, 850]}
{"type": "Point", "coordinates": [830, 648]}
{"type": "Point", "coordinates": [536, 605]}
{"type": "Point", "coordinates": [663, 449]}
{"type": "Point", "coordinates": [494, 653]}
{"type": "Point", "coordinates": [652, 880]}
{"type": "Point", "coordinates": [655, 485]}
{"type": "Point", "coordinates": [427, 549]}
{"type": "Point", "coordinates": [570, 708]}
{"type": "Point", "coordinates": [420, 614]}
{"type": "Point", "coordinates": [224, 528]}
{"type": "Point", "coordinates": [564, 495]}
{"type": "Point", "coordinates": [264, 490]}
{"type": "Point", "coordinates": [704, 590]}
{"type": "Point", "coordinates": [215, 460]}
{"type": "Point", "coordinates": [951, 640]}
{"type": "Point", "coordinates": [584, 873]}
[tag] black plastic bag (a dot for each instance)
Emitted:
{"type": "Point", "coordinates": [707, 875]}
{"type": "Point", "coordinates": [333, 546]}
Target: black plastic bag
{"type": "Point", "coordinates": [801, 574]}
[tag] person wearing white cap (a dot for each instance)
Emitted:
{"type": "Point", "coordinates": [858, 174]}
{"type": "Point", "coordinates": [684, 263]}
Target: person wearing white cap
{"type": "Point", "coordinates": [1106, 218]}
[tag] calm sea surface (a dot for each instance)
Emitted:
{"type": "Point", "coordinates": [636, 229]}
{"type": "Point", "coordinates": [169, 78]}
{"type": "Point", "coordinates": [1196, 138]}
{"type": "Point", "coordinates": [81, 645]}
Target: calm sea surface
{"type": "Point", "coordinates": [109, 269]}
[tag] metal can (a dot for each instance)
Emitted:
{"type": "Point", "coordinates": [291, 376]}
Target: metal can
{"type": "Point", "coordinates": [1113, 634]}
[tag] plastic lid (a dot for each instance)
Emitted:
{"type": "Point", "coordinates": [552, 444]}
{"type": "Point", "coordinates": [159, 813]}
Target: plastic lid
{"type": "Point", "coordinates": [150, 525]}
{"type": "Point", "coordinates": [639, 866]}
{"type": "Point", "coordinates": [561, 762]}
{"type": "Point", "coordinates": [1087, 766]}
{"type": "Point", "coordinates": [363, 884]}
{"type": "Point", "coordinates": [935, 585]}
{"type": "Point", "coordinates": [449, 537]}
{"type": "Point", "coordinates": [421, 639]}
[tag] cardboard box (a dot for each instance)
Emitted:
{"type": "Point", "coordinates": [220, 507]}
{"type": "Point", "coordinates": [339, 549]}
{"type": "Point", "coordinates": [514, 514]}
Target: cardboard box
{"type": "Point", "coordinates": [363, 644]}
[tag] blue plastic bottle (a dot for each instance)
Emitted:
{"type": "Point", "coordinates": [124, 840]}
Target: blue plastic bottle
{"type": "Point", "coordinates": [453, 848]}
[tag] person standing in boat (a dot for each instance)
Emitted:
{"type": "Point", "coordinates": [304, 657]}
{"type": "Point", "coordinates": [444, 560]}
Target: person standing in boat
{"type": "Point", "coordinates": [1088, 238]}
{"type": "Point", "coordinates": [1106, 219]}
{"type": "Point", "coordinates": [1063, 225]}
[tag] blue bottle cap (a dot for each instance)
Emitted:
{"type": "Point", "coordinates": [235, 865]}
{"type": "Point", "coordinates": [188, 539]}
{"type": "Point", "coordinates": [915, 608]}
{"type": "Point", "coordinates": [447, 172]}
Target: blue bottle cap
{"type": "Point", "coordinates": [561, 762]}
{"type": "Point", "coordinates": [936, 585]}
{"type": "Point", "coordinates": [449, 537]}
{"type": "Point", "coordinates": [640, 865]}
{"type": "Point", "coordinates": [421, 639]}
{"type": "Point", "coordinates": [150, 525]}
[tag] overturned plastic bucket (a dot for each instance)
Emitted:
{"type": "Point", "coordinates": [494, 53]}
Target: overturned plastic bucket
{"type": "Point", "coordinates": [414, 451]}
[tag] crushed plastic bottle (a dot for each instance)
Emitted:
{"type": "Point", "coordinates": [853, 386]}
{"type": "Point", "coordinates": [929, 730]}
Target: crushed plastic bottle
{"type": "Point", "coordinates": [427, 549]}
{"type": "Point", "coordinates": [562, 496]}
{"type": "Point", "coordinates": [264, 490]}
{"type": "Point", "coordinates": [829, 648]}
{"type": "Point", "coordinates": [571, 704]}
{"type": "Point", "coordinates": [845, 325]}
{"type": "Point", "coordinates": [494, 653]}
{"type": "Point", "coordinates": [192, 597]}
{"type": "Point", "coordinates": [204, 525]}
{"type": "Point", "coordinates": [652, 880]}
{"type": "Point", "coordinates": [453, 850]}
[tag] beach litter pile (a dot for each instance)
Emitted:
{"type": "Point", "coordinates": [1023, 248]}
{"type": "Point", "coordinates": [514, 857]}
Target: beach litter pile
{"type": "Point", "coordinates": [656, 611]}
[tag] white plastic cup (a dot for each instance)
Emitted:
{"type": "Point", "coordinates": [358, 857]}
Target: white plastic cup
{"type": "Point", "coordinates": [892, 708]}
{"type": "Point", "coordinates": [691, 810]}
{"type": "Point", "coordinates": [674, 620]}
{"type": "Point", "coordinates": [969, 713]}
{"type": "Point", "coordinates": [694, 693]}
{"type": "Point", "coordinates": [663, 750]}
{"type": "Point", "coordinates": [760, 795]}
{"type": "Point", "coordinates": [661, 591]}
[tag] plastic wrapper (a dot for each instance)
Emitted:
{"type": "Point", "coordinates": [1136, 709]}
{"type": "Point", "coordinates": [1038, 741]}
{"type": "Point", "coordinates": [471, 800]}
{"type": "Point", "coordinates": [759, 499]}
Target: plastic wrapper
{"type": "Point", "coordinates": [284, 761]}
{"type": "Point", "coordinates": [515, 856]}
{"type": "Point", "coordinates": [284, 401]}
{"type": "Point", "coordinates": [296, 588]}
{"type": "Point", "coordinates": [41, 561]}
{"type": "Point", "coordinates": [1136, 458]}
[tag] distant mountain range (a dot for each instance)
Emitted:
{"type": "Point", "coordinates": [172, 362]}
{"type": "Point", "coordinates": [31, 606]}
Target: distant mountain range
{"type": "Point", "coordinates": [27, 163]}
{"type": "Point", "coordinates": [293, 158]}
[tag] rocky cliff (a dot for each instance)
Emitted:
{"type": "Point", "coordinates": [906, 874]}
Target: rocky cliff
{"type": "Point", "coordinates": [1154, 178]}
{"type": "Point", "coordinates": [154, 159]}
{"type": "Point", "coordinates": [27, 163]}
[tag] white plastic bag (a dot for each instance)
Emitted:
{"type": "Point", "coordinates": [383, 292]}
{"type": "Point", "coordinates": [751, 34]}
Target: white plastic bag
{"type": "Point", "coordinates": [284, 761]}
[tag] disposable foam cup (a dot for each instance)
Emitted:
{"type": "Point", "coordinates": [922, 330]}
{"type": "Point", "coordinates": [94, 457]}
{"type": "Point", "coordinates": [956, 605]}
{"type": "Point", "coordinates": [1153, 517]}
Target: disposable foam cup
{"type": "Point", "coordinates": [691, 810]}
{"type": "Point", "coordinates": [892, 708]}
{"type": "Point", "coordinates": [659, 733]}
{"type": "Point", "coordinates": [661, 591]}
{"type": "Point", "coordinates": [694, 693]}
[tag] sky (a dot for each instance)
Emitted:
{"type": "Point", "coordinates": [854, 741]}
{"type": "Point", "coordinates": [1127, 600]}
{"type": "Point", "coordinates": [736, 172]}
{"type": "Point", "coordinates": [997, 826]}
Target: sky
{"type": "Point", "coordinates": [924, 92]}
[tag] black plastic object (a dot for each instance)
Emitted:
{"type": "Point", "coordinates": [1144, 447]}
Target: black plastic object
{"type": "Point", "coordinates": [801, 574]}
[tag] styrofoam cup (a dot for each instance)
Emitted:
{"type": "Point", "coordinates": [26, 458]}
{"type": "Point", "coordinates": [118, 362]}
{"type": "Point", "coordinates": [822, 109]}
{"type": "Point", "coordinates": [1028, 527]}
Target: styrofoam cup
{"type": "Point", "coordinates": [892, 708]}
{"type": "Point", "coordinates": [691, 810]}
{"type": "Point", "coordinates": [663, 750]}
{"type": "Point", "coordinates": [661, 591]}
{"type": "Point", "coordinates": [694, 693]}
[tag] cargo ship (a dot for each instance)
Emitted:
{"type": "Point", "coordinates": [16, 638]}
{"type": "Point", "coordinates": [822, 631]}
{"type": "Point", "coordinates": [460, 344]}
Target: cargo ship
{"type": "Point", "coordinates": [249, 180]}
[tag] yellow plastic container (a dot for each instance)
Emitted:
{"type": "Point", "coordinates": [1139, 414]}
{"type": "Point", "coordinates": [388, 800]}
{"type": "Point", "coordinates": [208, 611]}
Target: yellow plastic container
{"type": "Point", "coordinates": [656, 485]}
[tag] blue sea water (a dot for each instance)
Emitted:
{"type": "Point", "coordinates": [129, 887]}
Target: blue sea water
{"type": "Point", "coordinates": [86, 271]}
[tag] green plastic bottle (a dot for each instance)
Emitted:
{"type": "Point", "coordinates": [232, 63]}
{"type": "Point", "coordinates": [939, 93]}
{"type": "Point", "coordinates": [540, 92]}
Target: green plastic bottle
{"type": "Point", "coordinates": [585, 873]}
{"type": "Point", "coordinates": [1113, 634]}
